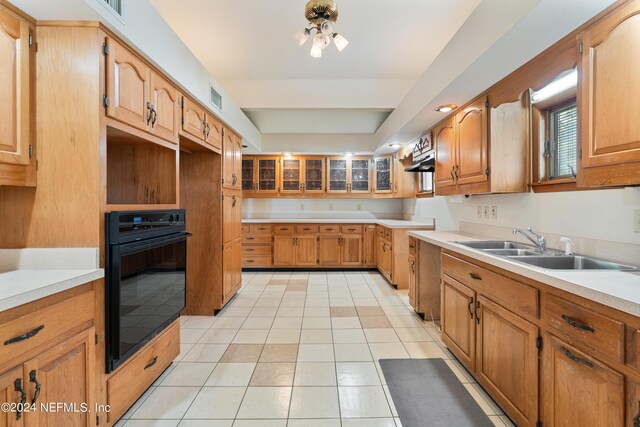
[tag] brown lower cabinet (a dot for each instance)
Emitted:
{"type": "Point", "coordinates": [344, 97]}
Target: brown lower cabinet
{"type": "Point", "coordinates": [545, 356]}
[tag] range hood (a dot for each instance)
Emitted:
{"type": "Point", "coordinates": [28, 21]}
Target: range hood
{"type": "Point", "coordinates": [424, 156]}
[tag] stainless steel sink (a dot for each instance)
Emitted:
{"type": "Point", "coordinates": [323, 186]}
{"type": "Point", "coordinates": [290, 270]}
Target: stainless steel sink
{"type": "Point", "coordinates": [576, 262]}
{"type": "Point", "coordinates": [511, 252]}
{"type": "Point", "coordinates": [495, 244]}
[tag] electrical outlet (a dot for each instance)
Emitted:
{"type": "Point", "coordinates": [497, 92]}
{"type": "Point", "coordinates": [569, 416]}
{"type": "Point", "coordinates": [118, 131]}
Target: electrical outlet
{"type": "Point", "coordinates": [330, 206]}
{"type": "Point", "coordinates": [301, 206]}
{"type": "Point", "coordinates": [636, 221]}
{"type": "Point", "coordinates": [359, 207]}
{"type": "Point", "coordinates": [479, 211]}
{"type": "Point", "coordinates": [494, 212]}
{"type": "Point", "coordinates": [486, 212]}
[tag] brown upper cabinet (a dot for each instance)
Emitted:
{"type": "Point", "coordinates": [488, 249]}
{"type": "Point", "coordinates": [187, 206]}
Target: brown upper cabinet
{"type": "Point", "coordinates": [291, 179]}
{"type": "Point", "coordinates": [608, 101]}
{"type": "Point", "coordinates": [471, 143]}
{"type": "Point", "coordinates": [17, 85]}
{"type": "Point", "coordinates": [137, 96]}
{"type": "Point", "coordinates": [383, 174]}
{"type": "Point", "coordinates": [231, 160]}
{"type": "Point", "coordinates": [199, 125]}
{"type": "Point", "coordinates": [348, 174]}
{"type": "Point", "coordinates": [302, 174]}
{"type": "Point", "coordinates": [445, 143]}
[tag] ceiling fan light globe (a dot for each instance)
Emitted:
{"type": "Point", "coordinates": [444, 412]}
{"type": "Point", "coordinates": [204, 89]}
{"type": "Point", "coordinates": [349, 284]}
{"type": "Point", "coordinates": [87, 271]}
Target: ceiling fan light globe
{"type": "Point", "coordinates": [340, 42]}
{"type": "Point", "coordinates": [316, 51]}
{"type": "Point", "coordinates": [326, 28]}
{"type": "Point", "coordinates": [301, 36]}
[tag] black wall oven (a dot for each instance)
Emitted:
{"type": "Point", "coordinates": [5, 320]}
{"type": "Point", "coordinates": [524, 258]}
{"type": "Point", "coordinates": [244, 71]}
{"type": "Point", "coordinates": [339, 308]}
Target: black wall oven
{"type": "Point", "coordinates": [146, 259]}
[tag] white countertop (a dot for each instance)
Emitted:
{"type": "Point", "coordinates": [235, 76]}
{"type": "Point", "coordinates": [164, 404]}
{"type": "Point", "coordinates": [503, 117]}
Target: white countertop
{"type": "Point", "coordinates": [20, 287]}
{"type": "Point", "coordinates": [391, 223]}
{"type": "Point", "coordinates": [615, 289]}
{"type": "Point", "coordinates": [30, 274]}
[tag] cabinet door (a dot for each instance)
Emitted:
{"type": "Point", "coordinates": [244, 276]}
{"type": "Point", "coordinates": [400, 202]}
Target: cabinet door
{"type": "Point", "coordinates": [237, 162]}
{"type": "Point", "coordinates": [608, 95]}
{"type": "Point", "coordinates": [370, 243]}
{"type": "Point", "coordinates": [194, 120]}
{"type": "Point", "coordinates": [64, 373]}
{"type": "Point", "coordinates": [507, 361]}
{"type": "Point", "coordinates": [412, 281]}
{"type": "Point", "coordinates": [127, 87]}
{"type": "Point", "coordinates": [15, 102]}
{"type": "Point", "coordinates": [213, 132]}
{"type": "Point", "coordinates": [337, 175]}
{"type": "Point", "coordinates": [284, 251]}
{"type": "Point", "coordinates": [11, 383]}
{"type": "Point", "coordinates": [329, 249]}
{"type": "Point", "coordinates": [578, 390]}
{"type": "Point", "coordinates": [351, 250]}
{"type": "Point", "coordinates": [236, 206]}
{"type": "Point", "coordinates": [291, 175]}
{"type": "Point", "coordinates": [458, 321]}
{"type": "Point", "coordinates": [313, 175]}
{"type": "Point", "coordinates": [228, 218]}
{"type": "Point", "coordinates": [228, 275]}
{"type": "Point", "coordinates": [359, 175]}
{"type": "Point", "coordinates": [382, 175]}
{"type": "Point", "coordinates": [385, 259]}
{"type": "Point", "coordinates": [471, 146]}
{"type": "Point", "coordinates": [248, 174]}
{"type": "Point", "coordinates": [444, 138]}
{"type": "Point", "coordinates": [228, 161]}
{"type": "Point", "coordinates": [237, 267]}
{"type": "Point", "coordinates": [164, 100]}
{"type": "Point", "coordinates": [306, 250]}
{"type": "Point", "coordinates": [268, 175]}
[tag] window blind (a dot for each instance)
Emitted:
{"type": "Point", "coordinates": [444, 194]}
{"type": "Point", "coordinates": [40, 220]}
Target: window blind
{"type": "Point", "coordinates": [564, 134]}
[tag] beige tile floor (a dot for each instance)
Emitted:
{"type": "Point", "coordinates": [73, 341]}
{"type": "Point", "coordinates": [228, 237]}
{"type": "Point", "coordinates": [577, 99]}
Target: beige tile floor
{"type": "Point", "coordinates": [297, 350]}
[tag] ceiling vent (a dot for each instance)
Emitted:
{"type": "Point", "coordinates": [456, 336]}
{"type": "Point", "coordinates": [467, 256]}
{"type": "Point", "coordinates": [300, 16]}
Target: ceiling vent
{"type": "Point", "coordinates": [115, 6]}
{"type": "Point", "coordinates": [215, 98]}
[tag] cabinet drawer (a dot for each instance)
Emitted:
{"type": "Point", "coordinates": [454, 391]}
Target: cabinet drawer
{"type": "Point", "coordinates": [256, 250]}
{"type": "Point", "coordinates": [25, 333]}
{"type": "Point", "coordinates": [257, 240]}
{"type": "Point", "coordinates": [330, 229]}
{"type": "Point", "coordinates": [284, 229]}
{"type": "Point", "coordinates": [128, 383]}
{"type": "Point", "coordinates": [256, 260]}
{"type": "Point", "coordinates": [307, 229]}
{"type": "Point", "coordinates": [245, 229]}
{"type": "Point", "coordinates": [351, 229]}
{"type": "Point", "coordinates": [413, 244]}
{"type": "Point", "coordinates": [261, 229]}
{"type": "Point", "coordinates": [513, 295]}
{"type": "Point", "coordinates": [593, 329]}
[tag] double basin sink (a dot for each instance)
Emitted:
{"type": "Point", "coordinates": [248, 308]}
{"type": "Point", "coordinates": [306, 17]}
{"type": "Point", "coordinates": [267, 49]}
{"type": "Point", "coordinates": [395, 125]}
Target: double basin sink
{"type": "Point", "coordinates": [550, 259]}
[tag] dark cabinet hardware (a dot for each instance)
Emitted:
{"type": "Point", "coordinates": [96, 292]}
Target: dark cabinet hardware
{"type": "Point", "coordinates": [249, 261]}
{"type": "Point", "coordinates": [478, 312]}
{"type": "Point", "coordinates": [26, 336]}
{"type": "Point", "coordinates": [469, 307]}
{"type": "Point", "coordinates": [575, 358]}
{"type": "Point", "coordinates": [250, 250]}
{"type": "Point", "coordinates": [234, 179]}
{"type": "Point", "coordinates": [150, 364]}
{"type": "Point", "coordinates": [23, 397]}
{"type": "Point", "coordinates": [475, 276]}
{"type": "Point", "coordinates": [574, 323]}
{"type": "Point", "coordinates": [233, 201]}
{"type": "Point", "coordinates": [636, 419]}
{"type": "Point", "coordinates": [306, 229]}
{"type": "Point", "coordinates": [34, 379]}
{"type": "Point", "coordinates": [152, 116]}
{"type": "Point", "coordinates": [250, 238]}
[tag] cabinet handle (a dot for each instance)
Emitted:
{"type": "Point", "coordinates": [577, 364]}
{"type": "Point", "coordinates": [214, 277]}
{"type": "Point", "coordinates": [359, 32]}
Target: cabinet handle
{"type": "Point", "coordinates": [250, 238]}
{"type": "Point", "coordinates": [475, 276]}
{"type": "Point", "coordinates": [306, 229]}
{"type": "Point", "coordinates": [250, 250]}
{"type": "Point", "coordinates": [576, 324]}
{"type": "Point", "coordinates": [470, 309]}
{"type": "Point", "coordinates": [351, 229]}
{"type": "Point", "coordinates": [575, 358]}
{"type": "Point", "coordinates": [636, 419]}
{"type": "Point", "coordinates": [249, 261]}
{"type": "Point", "coordinates": [383, 248]}
{"type": "Point", "coordinates": [478, 312]}
{"type": "Point", "coordinates": [26, 336]}
{"type": "Point", "coordinates": [23, 397]}
{"type": "Point", "coordinates": [34, 379]}
{"type": "Point", "coordinates": [329, 229]}
{"type": "Point", "coordinates": [233, 201]}
{"type": "Point", "coordinates": [234, 179]}
{"type": "Point", "coordinates": [150, 364]}
{"type": "Point", "coordinates": [150, 110]}
{"type": "Point", "coordinates": [452, 177]}
{"type": "Point", "coordinates": [456, 172]}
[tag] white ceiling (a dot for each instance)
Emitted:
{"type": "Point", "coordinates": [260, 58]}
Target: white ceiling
{"type": "Point", "coordinates": [323, 120]}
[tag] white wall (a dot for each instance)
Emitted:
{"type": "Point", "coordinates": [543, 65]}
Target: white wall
{"type": "Point", "coordinates": [598, 214]}
{"type": "Point", "coordinates": [321, 208]}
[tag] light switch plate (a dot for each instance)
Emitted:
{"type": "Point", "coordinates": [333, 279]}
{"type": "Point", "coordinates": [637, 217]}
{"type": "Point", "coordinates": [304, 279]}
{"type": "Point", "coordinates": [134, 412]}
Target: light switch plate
{"type": "Point", "coordinates": [494, 212]}
{"type": "Point", "coordinates": [479, 211]}
{"type": "Point", "coordinates": [636, 221]}
{"type": "Point", "coordinates": [486, 212]}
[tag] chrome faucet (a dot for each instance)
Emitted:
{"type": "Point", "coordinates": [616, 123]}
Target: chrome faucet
{"type": "Point", "coordinates": [539, 241]}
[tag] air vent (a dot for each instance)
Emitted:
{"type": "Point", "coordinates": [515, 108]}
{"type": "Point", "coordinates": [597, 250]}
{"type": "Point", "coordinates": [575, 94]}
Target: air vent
{"type": "Point", "coordinates": [114, 5]}
{"type": "Point", "coordinates": [214, 97]}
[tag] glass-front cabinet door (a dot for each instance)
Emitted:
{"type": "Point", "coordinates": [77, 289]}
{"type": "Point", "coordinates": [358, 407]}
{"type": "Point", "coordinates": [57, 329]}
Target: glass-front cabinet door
{"type": "Point", "coordinates": [249, 183]}
{"type": "Point", "coordinates": [267, 174]}
{"type": "Point", "coordinates": [359, 175]}
{"type": "Point", "coordinates": [291, 175]}
{"type": "Point", "coordinates": [337, 173]}
{"type": "Point", "coordinates": [313, 175]}
{"type": "Point", "coordinates": [382, 174]}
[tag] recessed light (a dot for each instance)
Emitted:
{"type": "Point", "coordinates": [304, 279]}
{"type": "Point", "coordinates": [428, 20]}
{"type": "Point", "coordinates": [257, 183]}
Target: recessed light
{"type": "Point", "coordinates": [348, 154]}
{"type": "Point", "coordinates": [286, 154]}
{"type": "Point", "coordinates": [446, 108]}
{"type": "Point", "coordinates": [394, 145]}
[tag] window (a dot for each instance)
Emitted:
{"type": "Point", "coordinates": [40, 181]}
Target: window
{"type": "Point", "coordinates": [561, 150]}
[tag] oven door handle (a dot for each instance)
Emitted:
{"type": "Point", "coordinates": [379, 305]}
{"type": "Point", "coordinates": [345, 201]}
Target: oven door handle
{"type": "Point", "coordinates": [126, 248]}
